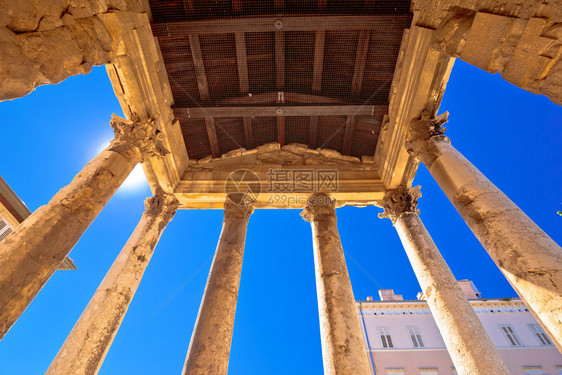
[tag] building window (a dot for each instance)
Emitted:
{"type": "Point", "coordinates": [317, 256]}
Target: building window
{"type": "Point", "coordinates": [5, 228]}
{"type": "Point", "coordinates": [533, 370]}
{"type": "Point", "coordinates": [510, 335]}
{"type": "Point", "coordinates": [540, 334]}
{"type": "Point", "coordinates": [384, 335]}
{"type": "Point", "coordinates": [415, 336]}
{"type": "Point", "coordinates": [395, 371]}
{"type": "Point", "coordinates": [428, 371]}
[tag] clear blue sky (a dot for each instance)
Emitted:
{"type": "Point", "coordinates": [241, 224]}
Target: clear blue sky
{"type": "Point", "coordinates": [513, 136]}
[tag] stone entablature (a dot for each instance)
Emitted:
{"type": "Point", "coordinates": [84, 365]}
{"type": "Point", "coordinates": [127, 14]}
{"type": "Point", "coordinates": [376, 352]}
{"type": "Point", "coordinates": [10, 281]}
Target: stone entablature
{"type": "Point", "coordinates": [357, 180]}
{"type": "Point", "coordinates": [487, 306]}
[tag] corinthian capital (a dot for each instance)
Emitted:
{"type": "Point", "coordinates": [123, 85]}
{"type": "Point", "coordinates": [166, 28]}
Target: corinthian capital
{"type": "Point", "coordinates": [237, 209]}
{"type": "Point", "coordinates": [162, 205]}
{"type": "Point", "coordinates": [420, 133]}
{"type": "Point", "coordinates": [319, 205]}
{"type": "Point", "coordinates": [141, 134]}
{"type": "Point", "coordinates": [400, 201]}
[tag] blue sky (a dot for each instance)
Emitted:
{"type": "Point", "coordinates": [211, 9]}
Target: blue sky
{"type": "Point", "coordinates": [511, 135]}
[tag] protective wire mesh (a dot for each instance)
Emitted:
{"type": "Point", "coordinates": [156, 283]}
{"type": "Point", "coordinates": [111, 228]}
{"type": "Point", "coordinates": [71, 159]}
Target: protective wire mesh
{"type": "Point", "coordinates": [213, 65]}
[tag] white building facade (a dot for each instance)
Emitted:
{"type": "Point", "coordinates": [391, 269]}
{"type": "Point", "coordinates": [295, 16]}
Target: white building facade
{"type": "Point", "coordinates": [403, 339]}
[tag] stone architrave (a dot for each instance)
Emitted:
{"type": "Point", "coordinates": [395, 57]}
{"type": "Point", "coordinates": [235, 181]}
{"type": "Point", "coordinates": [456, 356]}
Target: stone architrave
{"type": "Point", "coordinates": [527, 256]}
{"type": "Point", "coordinates": [209, 349]}
{"type": "Point", "coordinates": [32, 253]}
{"type": "Point", "coordinates": [470, 347]}
{"type": "Point", "coordinates": [89, 341]}
{"type": "Point", "coordinates": [343, 348]}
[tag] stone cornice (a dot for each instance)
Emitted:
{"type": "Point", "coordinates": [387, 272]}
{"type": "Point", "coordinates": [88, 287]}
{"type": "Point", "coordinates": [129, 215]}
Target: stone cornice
{"type": "Point", "coordinates": [419, 83]}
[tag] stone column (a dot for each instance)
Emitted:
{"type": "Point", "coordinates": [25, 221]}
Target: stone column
{"type": "Point", "coordinates": [85, 348]}
{"type": "Point", "coordinates": [343, 349]}
{"type": "Point", "coordinates": [32, 253]}
{"type": "Point", "coordinates": [209, 349]}
{"type": "Point", "coordinates": [530, 260]}
{"type": "Point", "coordinates": [470, 347]}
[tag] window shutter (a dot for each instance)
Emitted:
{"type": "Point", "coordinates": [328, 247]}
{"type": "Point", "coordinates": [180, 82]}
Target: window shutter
{"type": "Point", "coordinates": [5, 228]}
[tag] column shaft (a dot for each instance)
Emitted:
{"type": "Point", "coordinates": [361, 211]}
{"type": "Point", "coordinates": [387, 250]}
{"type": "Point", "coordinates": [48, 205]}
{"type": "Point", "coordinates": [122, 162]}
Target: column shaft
{"type": "Point", "coordinates": [527, 256]}
{"type": "Point", "coordinates": [209, 349]}
{"type": "Point", "coordinates": [343, 349]}
{"type": "Point", "coordinates": [32, 253]}
{"type": "Point", "coordinates": [470, 347]}
{"type": "Point", "coordinates": [89, 341]}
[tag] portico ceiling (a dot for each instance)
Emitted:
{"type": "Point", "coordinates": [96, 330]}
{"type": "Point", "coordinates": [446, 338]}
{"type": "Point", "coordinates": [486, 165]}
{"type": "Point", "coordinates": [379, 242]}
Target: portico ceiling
{"type": "Point", "coordinates": [246, 73]}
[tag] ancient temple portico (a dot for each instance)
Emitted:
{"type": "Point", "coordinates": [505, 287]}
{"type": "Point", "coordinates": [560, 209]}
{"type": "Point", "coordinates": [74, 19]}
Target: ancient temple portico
{"type": "Point", "coordinates": [326, 125]}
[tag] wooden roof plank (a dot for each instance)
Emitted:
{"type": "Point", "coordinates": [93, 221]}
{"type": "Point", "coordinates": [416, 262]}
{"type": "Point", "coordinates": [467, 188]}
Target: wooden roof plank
{"type": "Point", "coordinates": [283, 110]}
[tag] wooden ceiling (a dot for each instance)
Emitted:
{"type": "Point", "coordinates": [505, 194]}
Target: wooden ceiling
{"type": "Point", "coordinates": [246, 72]}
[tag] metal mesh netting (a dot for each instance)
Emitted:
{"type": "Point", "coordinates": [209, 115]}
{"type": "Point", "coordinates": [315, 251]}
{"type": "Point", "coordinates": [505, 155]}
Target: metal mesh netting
{"type": "Point", "coordinates": [224, 54]}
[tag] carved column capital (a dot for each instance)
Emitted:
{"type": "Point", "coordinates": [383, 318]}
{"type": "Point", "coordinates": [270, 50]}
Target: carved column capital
{"type": "Point", "coordinates": [420, 133]}
{"type": "Point", "coordinates": [140, 134]}
{"type": "Point", "coordinates": [319, 205]}
{"type": "Point", "coordinates": [400, 201]}
{"type": "Point", "coordinates": [162, 205]}
{"type": "Point", "coordinates": [233, 210]}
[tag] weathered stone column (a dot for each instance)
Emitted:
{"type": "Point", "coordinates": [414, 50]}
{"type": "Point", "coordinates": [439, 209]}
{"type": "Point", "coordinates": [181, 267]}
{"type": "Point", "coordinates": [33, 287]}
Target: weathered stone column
{"type": "Point", "coordinates": [209, 349]}
{"type": "Point", "coordinates": [32, 253]}
{"type": "Point", "coordinates": [469, 345]}
{"type": "Point", "coordinates": [85, 348]}
{"type": "Point", "coordinates": [343, 349]}
{"type": "Point", "coordinates": [530, 260]}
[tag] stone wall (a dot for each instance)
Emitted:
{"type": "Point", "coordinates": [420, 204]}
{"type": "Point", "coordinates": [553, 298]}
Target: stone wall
{"type": "Point", "coordinates": [521, 40]}
{"type": "Point", "coordinates": [46, 41]}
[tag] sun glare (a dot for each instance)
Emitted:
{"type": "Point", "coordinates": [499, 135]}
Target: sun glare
{"type": "Point", "coordinates": [136, 179]}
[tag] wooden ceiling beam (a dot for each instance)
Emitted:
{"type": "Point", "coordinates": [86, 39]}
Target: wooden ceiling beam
{"type": "Point", "coordinates": [285, 110]}
{"type": "Point", "coordinates": [212, 134]}
{"type": "Point", "coordinates": [189, 7]}
{"type": "Point", "coordinates": [200, 74]}
{"type": "Point", "coordinates": [280, 77]}
{"type": "Point", "coordinates": [356, 84]}
{"type": "Point", "coordinates": [248, 132]}
{"type": "Point", "coordinates": [348, 134]}
{"type": "Point", "coordinates": [279, 23]}
{"type": "Point", "coordinates": [360, 62]}
{"type": "Point", "coordinates": [242, 63]}
{"type": "Point", "coordinates": [273, 97]}
{"type": "Point", "coordinates": [313, 132]}
{"type": "Point", "coordinates": [319, 44]}
{"type": "Point", "coordinates": [281, 130]}
{"type": "Point", "coordinates": [236, 6]}
{"type": "Point", "coordinates": [204, 94]}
